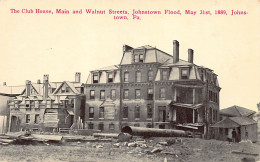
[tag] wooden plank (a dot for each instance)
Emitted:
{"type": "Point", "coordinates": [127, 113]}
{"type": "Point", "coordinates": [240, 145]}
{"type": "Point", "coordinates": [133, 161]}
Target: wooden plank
{"type": "Point", "coordinates": [47, 137]}
{"type": "Point", "coordinates": [245, 153]}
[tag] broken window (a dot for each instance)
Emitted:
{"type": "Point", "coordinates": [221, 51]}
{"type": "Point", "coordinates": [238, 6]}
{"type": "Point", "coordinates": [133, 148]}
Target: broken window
{"type": "Point", "coordinates": [137, 112]}
{"type": "Point", "coordinates": [184, 73]}
{"type": "Point", "coordinates": [27, 103]}
{"type": "Point", "coordinates": [141, 58]}
{"type": "Point", "coordinates": [95, 78]}
{"type": "Point", "coordinates": [138, 76]}
{"type": "Point", "coordinates": [113, 94]}
{"type": "Point", "coordinates": [125, 112]}
{"type": "Point", "coordinates": [102, 94]}
{"type": "Point", "coordinates": [126, 76]}
{"type": "Point", "coordinates": [90, 126]}
{"type": "Point", "coordinates": [37, 119]}
{"type": "Point", "coordinates": [91, 112]}
{"type": "Point", "coordinates": [101, 126]}
{"type": "Point", "coordinates": [101, 112]}
{"type": "Point", "coordinates": [150, 93]}
{"type": "Point", "coordinates": [110, 78]}
{"type": "Point", "coordinates": [137, 94]}
{"type": "Point", "coordinates": [27, 118]}
{"type": "Point", "coordinates": [67, 89]}
{"type": "Point", "coordinates": [149, 111]}
{"type": "Point", "coordinates": [162, 92]}
{"type": "Point", "coordinates": [150, 75]}
{"type": "Point", "coordinates": [92, 94]}
{"type": "Point", "coordinates": [126, 94]}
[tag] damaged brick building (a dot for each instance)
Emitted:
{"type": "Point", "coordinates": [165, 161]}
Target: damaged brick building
{"type": "Point", "coordinates": [151, 88]}
{"type": "Point", "coordinates": [48, 105]}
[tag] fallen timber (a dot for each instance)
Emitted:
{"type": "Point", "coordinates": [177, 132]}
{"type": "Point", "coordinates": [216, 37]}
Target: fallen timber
{"type": "Point", "coordinates": [154, 132]}
{"type": "Point", "coordinates": [106, 135]}
{"type": "Point", "coordinates": [42, 137]}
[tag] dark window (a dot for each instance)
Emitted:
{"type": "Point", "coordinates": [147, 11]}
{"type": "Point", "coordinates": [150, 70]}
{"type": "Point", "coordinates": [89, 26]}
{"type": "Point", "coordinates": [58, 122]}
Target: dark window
{"type": "Point", "coordinates": [110, 78]}
{"type": "Point", "coordinates": [27, 118]}
{"type": "Point", "coordinates": [137, 94]}
{"type": "Point", "coordinates": [164, 75]}
{"type": "Point", "coordinates": [141, 58]}
{"type": "Point", "coordinates": [184, 73]}
{"type": "Point", "coordinates": [137, 112]}
{"type": "Point", "coordinates": [138, 76]}
{"type": "Point", "coordinates": [101, 112]}
{"type": "Point", "coordinates": [162, 92]}
{"type": "Point", "coordinates": [91, 112]}
{"type": "Point", "coordinates": [102, 94]}
{"type": "Point", "coordinates": [113, 94]}
{"type": "Point", "coordinates": [67, 89]}
{"type": "Point", "coordinates": [100, 126]}
{"type": "Point", "coordinates": [95, 78]}
{"type": "Point", "coordinates": [149, 111]}
{"type": "Point", "coordinates": [90, 126]}
{"type": "Point", "coordinates": [126, 76]}
{"type": "Point", "coordinates": [125, 112]}
{"type": "Point", "coordinates": [150, 93]}
{"type": "Point", "coordinates": [37, 119]}
{"type": "Point", "coordinates": [92, 94]}
{"type": "Point", "coordinates": [137, 125]}
{"type": "Point", "coordinates": [27, 103]}
{"type": "Point", "coordinates": [150, 75]}
{"type": "Point", "coordinates": [126, 94]}
{"type": "Point", "coordinates": [112, 126]}
{"type": "Point", "coordinates": [149, 125]}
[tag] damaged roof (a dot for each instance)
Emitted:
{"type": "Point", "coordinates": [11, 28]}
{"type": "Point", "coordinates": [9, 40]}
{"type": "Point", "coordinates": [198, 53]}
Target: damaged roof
{"type": "Point", "coordinates": [234, 122]}
{"type": "Point", "coordinates": [236, 111]}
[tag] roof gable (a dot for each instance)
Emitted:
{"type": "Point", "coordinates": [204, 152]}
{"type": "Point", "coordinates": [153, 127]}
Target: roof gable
{"type": "Point", "coordinates": [66, 88]}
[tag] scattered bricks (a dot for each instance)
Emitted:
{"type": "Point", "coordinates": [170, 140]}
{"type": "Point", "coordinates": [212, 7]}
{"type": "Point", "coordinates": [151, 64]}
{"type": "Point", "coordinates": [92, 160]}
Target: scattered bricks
{"type": "Point", "coordinates": [156, 150]}
{"type": "Point", "coordinates": [131, 144]}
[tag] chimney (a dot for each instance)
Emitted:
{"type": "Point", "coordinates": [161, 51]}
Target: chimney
{"type": "Point", "coordinates": [38, 81]}
{"type": "Point", "coordinates": [4, 83]}
{"type": "Point", "coordinates": [175, 51]}
{"type": "Point", "coordinates": [190, 55]}
{"type": "Point", "coordinates": [27, 88]}
{"type": "Point", "coordinates": [77, 77]}
{"type": "Point", "coordinates": [45, 85]}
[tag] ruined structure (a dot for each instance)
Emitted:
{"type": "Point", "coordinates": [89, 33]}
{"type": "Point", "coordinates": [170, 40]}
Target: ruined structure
{"type": "Point", "coordinates": [47, 106]}
{"type": "Point", "coordinates": [151, 88]}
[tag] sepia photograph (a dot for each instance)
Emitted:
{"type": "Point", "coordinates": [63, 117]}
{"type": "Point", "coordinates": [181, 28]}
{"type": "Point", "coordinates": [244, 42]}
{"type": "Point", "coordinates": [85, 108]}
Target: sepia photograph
{"type": "Point", "coordinates": [166, 81]}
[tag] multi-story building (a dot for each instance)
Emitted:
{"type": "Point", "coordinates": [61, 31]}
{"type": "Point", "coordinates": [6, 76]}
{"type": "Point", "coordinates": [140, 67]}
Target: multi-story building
{"type": "Point", "coordinates": [48, 105]}
{"type": "Point", "coordinates": [7, 93]}
{"type": "Point", "coordinates": [151, 88]}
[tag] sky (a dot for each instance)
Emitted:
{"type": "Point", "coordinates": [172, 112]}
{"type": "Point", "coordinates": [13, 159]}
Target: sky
{"type": "Point", "coordinates": [33, 44]}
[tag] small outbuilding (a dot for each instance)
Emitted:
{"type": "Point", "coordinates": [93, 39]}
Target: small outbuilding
{"type": "Point", "coordinates": [236, 129]}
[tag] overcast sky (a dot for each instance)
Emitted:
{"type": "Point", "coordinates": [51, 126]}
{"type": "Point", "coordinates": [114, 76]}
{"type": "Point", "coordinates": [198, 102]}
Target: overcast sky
{"type": "Point", "coordinates": [32, 45]}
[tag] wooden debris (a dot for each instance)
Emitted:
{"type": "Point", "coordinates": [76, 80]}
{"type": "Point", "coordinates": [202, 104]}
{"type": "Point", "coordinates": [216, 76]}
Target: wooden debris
{"type": "Point", "coordinates": [42, 137]}
{"type": "Point", "coordinates": [245, 153]}
{"type": "Point", "coordinates": [106, 135]}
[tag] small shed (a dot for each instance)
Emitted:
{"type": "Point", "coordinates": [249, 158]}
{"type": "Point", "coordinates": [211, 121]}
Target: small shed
{"type": "Point", "coordinates": [244, 127]}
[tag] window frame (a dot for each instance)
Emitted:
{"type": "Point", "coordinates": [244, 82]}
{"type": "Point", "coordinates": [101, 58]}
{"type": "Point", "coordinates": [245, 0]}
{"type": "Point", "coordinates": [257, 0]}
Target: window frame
{"type": "Point", "coordinates": [137, 112]}
{"type": "Point", "coordinates": [125, 112]}
{"type": "Point", "coordinates": [149, 94]}
{"type": "Point", "coordinates": [113, 94]}
{"type": "Point", "coordinates": [126, 97]}
{"type": "Point", "coordinates": [138, 76]}
{"type": "Point", "coordinates": [149, 111]}
{"type": "Point", "coordinates": [162, 92]}
{"type": "Point", "coordinates": [101, 114]}
{"type": "Point", "coordinates": [102, 95]}
{"type": "Point", "coordinates": [90, 113]}
{"type": "Point", "coordinates": [92, 97]}
{"type": "Point", "coordinates": [165, 74]}
{"type": "Point", "coordinates": [137, 94]}
{"type": "Point", "coordinates": [95, 80]}
{"type": "Point", "coordinates": [184, 76]}
{"type": "Point", "coordinates": [110, 80]}
{"type": "Point", "coordinates": [126, 76]}
{"type": "Point", "coordinates": [150, 75]}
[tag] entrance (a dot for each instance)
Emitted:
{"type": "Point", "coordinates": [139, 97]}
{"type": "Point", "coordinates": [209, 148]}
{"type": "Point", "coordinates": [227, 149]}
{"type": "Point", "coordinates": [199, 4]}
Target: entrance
{"type": "Point", "coordinates": [15, 124]}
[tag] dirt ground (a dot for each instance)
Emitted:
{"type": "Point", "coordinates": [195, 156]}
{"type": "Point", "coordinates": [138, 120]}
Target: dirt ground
{"type": "Point", "coordinates": [184, 149]}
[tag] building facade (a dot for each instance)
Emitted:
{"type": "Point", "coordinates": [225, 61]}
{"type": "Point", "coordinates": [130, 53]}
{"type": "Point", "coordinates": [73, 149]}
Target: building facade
{"type": "Point", "coordinates": [7, 93]}
{"type": "Point", "coordinates": [48, 105]}
{"type": "Point", "coordinates": [151, 88]}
